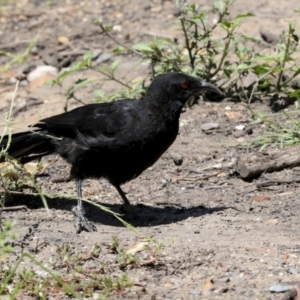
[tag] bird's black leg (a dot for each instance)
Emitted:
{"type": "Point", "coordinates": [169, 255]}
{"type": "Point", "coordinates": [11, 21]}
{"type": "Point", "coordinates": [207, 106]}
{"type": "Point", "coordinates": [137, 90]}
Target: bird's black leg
{"type": "Point", "coordinates": [81, 222]}
{"type": "Point", "coordinates": [127, 207]}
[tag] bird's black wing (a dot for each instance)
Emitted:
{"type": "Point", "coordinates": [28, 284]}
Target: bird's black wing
{"type": "Point", "coordinates": [93, 120]}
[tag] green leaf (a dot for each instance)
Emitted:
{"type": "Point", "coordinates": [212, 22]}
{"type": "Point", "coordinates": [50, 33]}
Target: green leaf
{"type": "Point", "coordinates": [295, 94]}
{"type": "Point", "coordinates": [83, 82]}
{"type": "Point", "coordinates": [244, 16]}
{"type": "Point", "coordinates": [142, 47]}
{"type": "Point", "coordinates": [99, 93]}
{"type": "Point", "coordinates": [260, 70]}
{"type": "Point", "coordinates": [220, 6]}
{"type": "Point", "coordinates": [115, 64]}
{"type": "Point", "coordinates": [87, 58]}
{"type": "Point", "coordinates": [99, 21]}
{"type": "Point", "coordinates": [225, 25]}
{"type": "Point", "coordinates": [119, 50]}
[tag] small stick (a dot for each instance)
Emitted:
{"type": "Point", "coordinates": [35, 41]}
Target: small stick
{"type": "Point", "coordinates": [195, 178]}
{"type": "Point", "coordinates": [14, 208]}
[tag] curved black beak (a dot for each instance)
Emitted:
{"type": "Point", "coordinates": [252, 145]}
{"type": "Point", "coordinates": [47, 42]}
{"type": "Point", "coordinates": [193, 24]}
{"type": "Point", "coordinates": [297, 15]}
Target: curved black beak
{"type": "Point", "coordinates": [206, 86]}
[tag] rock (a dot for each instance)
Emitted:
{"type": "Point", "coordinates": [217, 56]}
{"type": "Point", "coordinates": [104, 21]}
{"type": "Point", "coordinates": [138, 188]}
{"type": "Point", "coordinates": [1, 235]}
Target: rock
{"type": "Point", "coordinates": [177, 158]}
{"type": "Point", "coordinates": [278, 288]}
{"type": "Point", "coordinates": [103, 57]}
{"type": "Point", "coordinates": [293, 271]}
{"type": "Point", "coordinates": [222, 290]}
{"type": "Point", "coordinates": [268, 37]}
{"type": "Point", "coordinates": [241, 130]}
{"type": "Point", "coordinates": [210, 126]}
{"type": "Point", "coordinates": [239, 127]}
{"type": "Point", "coordinates": [40, 75]}
{"type": "Point", "coordinates": [194, 292]}
{"type": "Point", "coordinates": [117, 28]}
{"type": "Point", "coordinates": [41, 71]}
{"type": "Point", "coordinates": [225, 279]}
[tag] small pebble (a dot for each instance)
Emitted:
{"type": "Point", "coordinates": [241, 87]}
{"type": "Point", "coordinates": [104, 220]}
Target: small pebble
{"type": "Point", "coordinates": [177, 158]}
{"type": "Point", "coordinates": [239, 127]}
{"type": "Point", "coordinates": [40, 71]}
{"type": "Point", "coordinates": [210, 126]}
{"type": "Point", "coordinates": [225, 279]}
{"type": "Point", "coordinates": [293, 271]}
{"type": "Point", "coordinates": [103, 57]}
{"type": "Point", "coordinates": [278, 288]}
{"type": "Point", "coordinates": [194, 292]}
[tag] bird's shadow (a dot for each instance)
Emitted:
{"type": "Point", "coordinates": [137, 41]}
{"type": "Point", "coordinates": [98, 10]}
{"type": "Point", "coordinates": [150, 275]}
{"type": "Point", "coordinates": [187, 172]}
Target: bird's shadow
{"type": "Point", "coordinates": [148, 215]}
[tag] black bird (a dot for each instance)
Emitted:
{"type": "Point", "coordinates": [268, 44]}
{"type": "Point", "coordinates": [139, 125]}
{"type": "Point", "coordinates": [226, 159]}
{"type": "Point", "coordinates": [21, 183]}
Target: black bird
{"type": "Point", "coordinates": [116, 140]}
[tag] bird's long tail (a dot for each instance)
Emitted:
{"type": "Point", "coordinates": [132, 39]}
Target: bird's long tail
{"type": "Point", "coordinates": [27, 146]}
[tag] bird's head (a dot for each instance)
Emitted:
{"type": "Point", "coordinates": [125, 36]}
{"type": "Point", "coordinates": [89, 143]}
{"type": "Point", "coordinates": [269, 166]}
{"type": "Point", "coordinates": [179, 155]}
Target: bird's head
{"type": "Point", "coordinates": [172, 90]}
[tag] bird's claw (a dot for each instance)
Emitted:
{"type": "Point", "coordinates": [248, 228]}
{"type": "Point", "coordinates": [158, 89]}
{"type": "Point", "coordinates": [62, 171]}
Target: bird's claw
{"type": "Point", "coordinates": [81, 222]}
{"type": "Point", "coordinates": [131, 213]}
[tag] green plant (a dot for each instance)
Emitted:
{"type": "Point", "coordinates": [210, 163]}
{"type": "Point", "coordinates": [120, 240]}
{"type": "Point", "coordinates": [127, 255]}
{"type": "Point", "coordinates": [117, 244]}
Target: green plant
{"type": "Point", "coordinates": [201, 54]}
{"type": "Point", "coordinates": [224, 58]}
{"type": "Point", "coordinates": [282, 129]}
{"type": "Point", "coordinates": [17, 58]}
{"type": "Point", "coordinates": [79, 278]}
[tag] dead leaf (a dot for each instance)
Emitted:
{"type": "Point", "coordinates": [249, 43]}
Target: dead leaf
{"type": "Point", "coordinates": [223, 174]}
{"type": "Point", "coordinates": [137, 79]}
{"type": "Point", "coordinates": [234, 115]}
{"type": "Point", "coordinates": [285, 193]}
{"type": "Point", "coordinates": [286, 256]}
{"type": "Point", "coordinates": [261, 198]}
{"type": "Point", "coordinates": [12, 175]}
{"type": "Point", "coordinates": [272, 222]}
{"type": "Point", "coordinates": [207, 285]}
{"type": "Point", "coordinates": [240, 139]}
{"type": "Point", "coordinates": [63, 40]}
{"type": "Point", "coordinates": [138, 247]}
{"type": "Point", "coordinates": [31, 167]}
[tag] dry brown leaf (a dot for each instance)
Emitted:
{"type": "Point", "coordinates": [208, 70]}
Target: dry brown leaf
{"type": "Point", "coordinates": [207, 285]}
{"type": "Point", "coordinates": [223, 174]}
{"type": "Point", "coordinates": [137, 79]}
{"type": "Point", "coordinates": [261, 198]}
{"type": "Point", "coordinates": [11, 175]}
{"type": "Point", "coordinates": [31, 167]}
{"type": "Point", "coordinates": [286, 256]}
{"type": "Point", "coordinates": [272, 222]}
{"type": "Point", "coordinates": [63, 40]}
{"type": "Point", "coordinates": [138, 247]}
{"type": "Point", "coordinates": [234, 115]}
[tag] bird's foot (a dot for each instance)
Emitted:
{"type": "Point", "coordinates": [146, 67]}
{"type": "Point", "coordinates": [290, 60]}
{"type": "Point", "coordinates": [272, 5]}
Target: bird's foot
{"type": "Point", "coordinates": [131, 213]}
{"type": "Point", "coordinates": [81, 222]}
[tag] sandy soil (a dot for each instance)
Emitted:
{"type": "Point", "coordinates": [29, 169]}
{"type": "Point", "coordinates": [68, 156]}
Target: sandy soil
{"type": "Point", "coordinates": [219, 242]}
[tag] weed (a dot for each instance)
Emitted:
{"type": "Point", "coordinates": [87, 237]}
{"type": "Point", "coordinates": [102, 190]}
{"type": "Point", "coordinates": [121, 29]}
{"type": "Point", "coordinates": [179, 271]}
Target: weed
{"type": "Point", "coordinates": [282, 129]}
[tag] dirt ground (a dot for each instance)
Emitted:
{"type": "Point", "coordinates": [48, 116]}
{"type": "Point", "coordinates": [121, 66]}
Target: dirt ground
{"type": "Point", "coordinates": [220, 243]}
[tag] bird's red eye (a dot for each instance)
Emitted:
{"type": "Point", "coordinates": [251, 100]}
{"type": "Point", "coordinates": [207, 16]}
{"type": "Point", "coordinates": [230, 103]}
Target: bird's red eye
{"type": "Point", "coordinates": [185, 85]}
